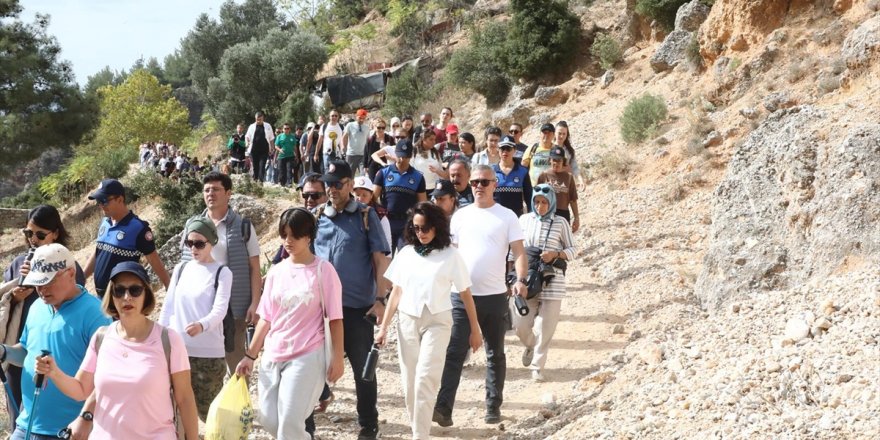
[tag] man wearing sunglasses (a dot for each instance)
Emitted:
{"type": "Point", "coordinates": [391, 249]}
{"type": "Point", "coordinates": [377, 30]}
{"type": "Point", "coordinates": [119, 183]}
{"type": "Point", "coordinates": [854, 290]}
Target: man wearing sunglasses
{"type": "Point", "coordinates": [122, 236]}
{"type": "Point", "coordinates": [64, 324]}
{"type": "Point", "coordinates": [330, 138]}
{"type": "Point", "coordinates": [350, 237]}
{"type": "Point", "coordinates": [482, 232]}
{"type": "Point", "coordinates": [238, 249]}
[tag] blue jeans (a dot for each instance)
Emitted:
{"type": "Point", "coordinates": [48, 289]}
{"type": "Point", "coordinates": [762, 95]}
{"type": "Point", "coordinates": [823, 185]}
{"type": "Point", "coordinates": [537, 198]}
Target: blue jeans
{"type": "Point", "coordinates": [492, 317]}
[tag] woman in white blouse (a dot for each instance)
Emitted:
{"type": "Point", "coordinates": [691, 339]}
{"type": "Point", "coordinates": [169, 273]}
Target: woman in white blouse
{"type": "Point", "coordinates": [423, 274]}
{"type": "Point", "coordinates": [552, 233]}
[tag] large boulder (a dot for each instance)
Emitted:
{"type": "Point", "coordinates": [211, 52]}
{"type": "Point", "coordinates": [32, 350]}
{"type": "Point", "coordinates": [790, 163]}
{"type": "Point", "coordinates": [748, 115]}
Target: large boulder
{"type": "Point", "coordinates": [861, 44]}
{"type": "Point", "coordinates": [517, 111]}
{"type": "Point", "coordinates": [691, 15]}
{"type": "Point", "coordinates": [792, 207]}
{"type": "Point", "coordinates": [672, 51]}
{"type": "Point", "coordinates": [550, 95]}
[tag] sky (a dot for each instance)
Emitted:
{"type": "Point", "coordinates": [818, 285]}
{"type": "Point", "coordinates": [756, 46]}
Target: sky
{"type": "Point", "coordinates": [98, 33]}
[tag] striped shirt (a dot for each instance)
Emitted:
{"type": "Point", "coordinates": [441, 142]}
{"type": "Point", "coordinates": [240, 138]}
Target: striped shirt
{"type": "Point", "coordinates": [559, 239]}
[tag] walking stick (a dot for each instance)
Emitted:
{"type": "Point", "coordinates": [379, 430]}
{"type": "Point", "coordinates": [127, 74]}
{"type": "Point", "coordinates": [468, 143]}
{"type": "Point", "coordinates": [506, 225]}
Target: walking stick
{"type": "Point", "coordinates": [39, 382]}
{"type": "Point", "coordinates": [9, 396]}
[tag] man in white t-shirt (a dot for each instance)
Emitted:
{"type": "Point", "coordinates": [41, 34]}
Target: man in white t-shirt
{"type": "Point", "coordinates": [483, 232]}
{"type": "Point", "coordinates": [330, 138]}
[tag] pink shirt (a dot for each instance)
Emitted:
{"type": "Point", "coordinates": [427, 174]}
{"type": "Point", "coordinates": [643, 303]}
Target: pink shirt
{"type": "Point", "coordinates": [291, 304]}
{"type": "Point", "coordinates": [132, 385]}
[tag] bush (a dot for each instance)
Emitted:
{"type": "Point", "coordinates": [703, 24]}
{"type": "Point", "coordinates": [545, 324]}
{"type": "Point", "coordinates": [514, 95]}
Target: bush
{"type": "Point", "coordinates": [641, 117]}
{"type": "Point", "coordinates": [607, 50]}
{"type": "Point", "coordinates": [403, 94]}
{"type": "Point", "coordinates": [692, 52]}
{"type": "Point", "coordinates": [481, 67]}
{"type": "Point", "coordinates": [180, 200]}
{"type": "Point", "coordinates": [661, 10]}
{"type": "Point", "coordinates": [89, 166]}
{"type": "Point", "coordinates": [29, 197]}
{"type": "Point", "coordinates": [543, 37]}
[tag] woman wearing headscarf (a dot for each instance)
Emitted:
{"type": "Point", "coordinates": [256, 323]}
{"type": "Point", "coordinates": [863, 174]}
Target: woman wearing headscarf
{"type": "Point", "coordinates": [552, 234]}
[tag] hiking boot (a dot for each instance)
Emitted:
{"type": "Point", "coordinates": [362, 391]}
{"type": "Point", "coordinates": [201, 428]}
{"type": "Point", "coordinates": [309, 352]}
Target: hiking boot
{"type": "Point", "coordinates": [368, 433]}
{"type": "Point", "coordinates": [493, 416]}
{"type": "Point", "coordinates": [442, 420]}
{"type": "Point", "coordinates": [528, 354]}
{"type": "Point", "coordinates": [537, 376]}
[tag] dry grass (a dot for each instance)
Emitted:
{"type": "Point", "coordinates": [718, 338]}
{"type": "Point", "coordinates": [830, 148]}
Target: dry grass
{"type": "Point", "coordinates": [613, 163]}
{"type": "Point", "coordinates": [83, 232]}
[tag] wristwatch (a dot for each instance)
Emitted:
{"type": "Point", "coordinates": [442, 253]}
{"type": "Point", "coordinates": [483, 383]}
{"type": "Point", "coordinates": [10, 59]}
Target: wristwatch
{"type": "Point", "coordinates": [382, 300]}
{"type": "Point", "coordinates": [523, 280]}
{"type": "Point", "coordinates": [87, 416]}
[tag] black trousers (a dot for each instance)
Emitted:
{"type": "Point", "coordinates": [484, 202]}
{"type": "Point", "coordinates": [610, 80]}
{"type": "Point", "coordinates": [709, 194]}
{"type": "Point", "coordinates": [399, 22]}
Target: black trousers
{"type": "Point", "coordinates": [492, 317]}
{"type": "Point", "coordinates": [286, 173]}
{"type": "Point", "coordinates": [258, 164]}
{"type": "Point", "coordinates": [358, 343]}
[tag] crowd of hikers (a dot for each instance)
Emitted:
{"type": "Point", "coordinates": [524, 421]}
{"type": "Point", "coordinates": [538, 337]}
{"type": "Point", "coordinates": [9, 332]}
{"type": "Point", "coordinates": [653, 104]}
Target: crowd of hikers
{"type": "Point", "coordinates": [461, 243]}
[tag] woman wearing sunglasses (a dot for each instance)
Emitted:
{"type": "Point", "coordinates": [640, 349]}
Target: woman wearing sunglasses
{"type": "Point", "coordinates": [298, 293]}
{"type": "Point", "coordinates": [138, 369]}
{"type": "Point", "coordinates": [423, 275]}
{"type": "Point", "coordinates": [43, 227]}
{"type": "Point", "coordinates": [195, 305]}
{"type": "Point", "coordinates": [377, 141]}
{"type": "Point", "coordinates": [552, 234]}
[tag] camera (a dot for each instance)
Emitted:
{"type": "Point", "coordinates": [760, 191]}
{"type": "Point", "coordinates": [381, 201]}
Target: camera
{"type": "Point", "coordinates": [236, 137]}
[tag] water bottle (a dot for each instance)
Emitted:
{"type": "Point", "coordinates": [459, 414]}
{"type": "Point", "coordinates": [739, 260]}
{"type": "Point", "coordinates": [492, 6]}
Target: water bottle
{"type": "Point", "coordinates": [369, 373]}
{"type": "Point", "coordinates": [522, 307]}
{"type": "Point", "coordinates": [27, 259]}
{"type": "Point", "coordinates": [249, 336]}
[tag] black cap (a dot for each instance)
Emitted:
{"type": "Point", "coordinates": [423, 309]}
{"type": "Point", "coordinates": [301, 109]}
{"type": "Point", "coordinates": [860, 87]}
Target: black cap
{"type": "Point", "coordinates": [444, 188]}
{"type": "Point", "coordinates": [404, 148]}
{"type": "Point", "coordinates": [133, 268]}
{"type": "Point", "coordinates": [507, 142]}
{"type": "Point", "coordinates": [547, 127]}
{"type": "Point", "coordinates": [107, 188]}
{"type": "Point", "coordinates": [336, 171]}
{"type": "Point", "coordinates": [557, 153]}
{"type": "Point", "coordinates": [306, 176]}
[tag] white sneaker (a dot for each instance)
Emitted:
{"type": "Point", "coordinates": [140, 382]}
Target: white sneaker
{"type": "Point", "coordinates": [537, 376]}
{"type": "Point", "coordinates": [527, 356]}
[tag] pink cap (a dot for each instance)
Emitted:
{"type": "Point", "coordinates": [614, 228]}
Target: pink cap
{"type": "Point", "coordinates": [451, 129]}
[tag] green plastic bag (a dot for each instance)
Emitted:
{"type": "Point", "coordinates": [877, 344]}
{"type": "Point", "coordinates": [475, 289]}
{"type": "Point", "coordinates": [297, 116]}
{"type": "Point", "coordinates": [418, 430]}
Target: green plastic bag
{"type": "Point", "coordinates": [231, 414]}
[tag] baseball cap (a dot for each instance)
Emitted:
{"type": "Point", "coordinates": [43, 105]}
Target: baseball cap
{"type": "Point", "coordinates": [336, 171]}
{"type": "Point", "coordinates": [107, 188]}
{"type": "Point", "coordinates": [361, 112]}
{"type": "Point", "coordinates": [310, 125]}
{"type": "Point", "coordinates": [451, 129]}
{"type": "Point", "coordinates": [363, 183]}
{"type": "Point", "coordinates": [404, 148]}
{"type": "Point", "coordinates": [48, 260]}
{"type": "Point", "coordinates": [133, 268]}
{"type": "Point", "coordinates": [547, 127]}
{"type": "Point", "coordinates": [507, 142]}
{"type": "Point", "coordinates": [557, 153]}
{"type": "Point", "coordinates": [444, 188]}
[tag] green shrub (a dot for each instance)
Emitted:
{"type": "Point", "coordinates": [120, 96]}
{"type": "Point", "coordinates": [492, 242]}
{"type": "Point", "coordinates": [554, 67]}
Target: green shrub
{"type": "Point", "coordinates": [89, 166]}
{"type": "Point", "coordinates": [404, 93]}
{"type": "Point", "coordinates": [641, 117]}
{"type": "Point", "coordinates": [179, 200]}
{"type": "Point", "coordinates": [481, 66]}
{"type": "Point", "coordinates": [543, 37]}
{"type": "Point", "coordinates": [29, 197]}
{"type": "Point", "coordinates": [692, 52]}
{"type": "Point", "coordinates": [661, 10]}
{"type": "Point", "coordinates": [607, 50]}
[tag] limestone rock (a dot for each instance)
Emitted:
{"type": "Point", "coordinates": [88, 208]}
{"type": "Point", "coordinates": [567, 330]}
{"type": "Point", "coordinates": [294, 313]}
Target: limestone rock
{"type": "Point", "coordinates": [749, 112]}
{"type": "Point", "coordinates": [691, 15]}
{"type": "Point", "coordinates": [607, 78]}
{"type": "Point", "coordinates": [778, 100]}
{"type": "Point", "coordinates": [524, 91]}
{"type": "Point", "coordinates": [550, 96]}
{"type": "Point", "coordinates": [713, 139]}
{"type": "Point", "coordinates": [861, 45]}
{"type": "Point", "coordinates": [797, 329]}
{"type": "Point", "coordinates": [651, 355]}
{"type": "Point", "coordinates": [617, 330]}
{"type": "Point", "coordinates": [517, 111]}
{"type": "Point", "coordinates": [742, 23]}
{"type": "Point", "coordinates": [672, 51]}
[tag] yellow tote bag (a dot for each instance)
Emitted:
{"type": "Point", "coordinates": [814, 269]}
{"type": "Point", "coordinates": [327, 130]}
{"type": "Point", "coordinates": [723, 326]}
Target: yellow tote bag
{"type": "Point", "coordinates": [231, 414]}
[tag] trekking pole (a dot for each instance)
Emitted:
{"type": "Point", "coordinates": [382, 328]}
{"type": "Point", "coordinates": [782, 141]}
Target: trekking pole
{"type": "Point", "coordinates": [39, 382]}
{"type": "Point", "coordinates": [9, 396]}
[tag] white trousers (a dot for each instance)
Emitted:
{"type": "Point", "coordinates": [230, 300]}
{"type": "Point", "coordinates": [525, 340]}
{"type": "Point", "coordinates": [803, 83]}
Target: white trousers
{"type": "Point", "coordinates": [421, 346]}
{"type": "Point", "coordinates": [288, 392]}
{"type": "Point", "coordinates": [536, 329]}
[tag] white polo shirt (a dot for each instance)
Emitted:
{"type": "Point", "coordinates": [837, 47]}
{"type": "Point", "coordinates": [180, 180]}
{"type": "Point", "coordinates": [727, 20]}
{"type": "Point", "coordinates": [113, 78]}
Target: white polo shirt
{"type": "Point", "coordinates": [427, 281]}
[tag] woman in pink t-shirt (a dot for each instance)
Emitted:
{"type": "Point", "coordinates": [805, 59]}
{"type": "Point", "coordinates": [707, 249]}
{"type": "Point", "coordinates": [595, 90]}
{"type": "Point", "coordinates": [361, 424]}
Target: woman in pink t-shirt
{"type": "Point", "coordinates": [294, 366]}
{"type": "Point", "coordinates": [128, 368]}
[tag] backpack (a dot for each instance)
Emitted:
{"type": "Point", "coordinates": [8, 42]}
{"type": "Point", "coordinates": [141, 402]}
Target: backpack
{"type": "Point", "coordinates": [228, 320]}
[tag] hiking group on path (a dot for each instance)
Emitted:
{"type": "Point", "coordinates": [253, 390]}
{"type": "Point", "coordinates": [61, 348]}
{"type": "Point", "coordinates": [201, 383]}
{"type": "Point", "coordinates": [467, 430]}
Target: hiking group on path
{"type": "Point", "coordinates": [462, 244]}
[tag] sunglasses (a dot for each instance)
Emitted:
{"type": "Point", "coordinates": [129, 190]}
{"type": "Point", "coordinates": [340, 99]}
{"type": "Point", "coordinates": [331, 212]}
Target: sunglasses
{"type": "Point", "coordinates": [418, 229]}
{"type": "Point", "coordinates": [514, 131]}
{"type": "Point", "coordinates": [543, 190]}
{"type": "Point", "coordinates": [337, 185]}
{"type": "Point", "coordinates": [506, 148]}
{"type": "Point", "coordinates": [40, 234]}
{"type": "Point", "coordinates": [481, 182]}
{"type": "Point", "coordinates": [381, 127]}
{"type": "Point", "coordinates": [135, 291]}
{"type": "Point", "coordinates": [198, 244]}
{"type": "Point", "coordinates": [104, 202]}
{"type": "Point", "coordinates": [313, 195]}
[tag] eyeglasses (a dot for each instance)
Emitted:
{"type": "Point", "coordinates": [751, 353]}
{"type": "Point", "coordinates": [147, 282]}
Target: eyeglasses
{"type": "Point", "coordinates": [40, 234]}
{"type": "Point", "coordinates": [481, 182]}
{"type": "Point", "coordinates": [543, 190]}
{"type": "Point", "coordinates": [135, 291]}
{"type": "Point", "coordinates": [418, 229]}
{"type": "Point", "coordinates": [313, 195]}
{"type": "Point", "coordinates": [337, 185]}
{"type": "Point", "coordinates": [381, 127]}
{"type": "Point", "coordinates": [198, 244]}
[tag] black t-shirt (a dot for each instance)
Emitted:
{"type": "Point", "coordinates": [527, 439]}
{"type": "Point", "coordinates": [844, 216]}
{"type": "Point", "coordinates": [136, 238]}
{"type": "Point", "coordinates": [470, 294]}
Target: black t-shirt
{"type": "Point", "coordinates": [260, 144]}
{"type": "Point", "coordinates": [374, 144]}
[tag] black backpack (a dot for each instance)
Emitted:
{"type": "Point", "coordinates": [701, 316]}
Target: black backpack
{"type": "Point", "coordinates": [228, 320]}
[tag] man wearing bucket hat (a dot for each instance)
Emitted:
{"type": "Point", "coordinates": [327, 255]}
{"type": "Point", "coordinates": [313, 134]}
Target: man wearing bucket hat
{"type": "Point", "coordinates": [122, 236]}
{"type": "Point", "coordinates": [63, 325]}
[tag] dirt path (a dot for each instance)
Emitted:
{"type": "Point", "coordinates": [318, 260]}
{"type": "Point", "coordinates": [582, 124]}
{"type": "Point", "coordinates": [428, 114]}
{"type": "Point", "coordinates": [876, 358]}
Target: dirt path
{"type": "Point", "coordinates": [583, 340]}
